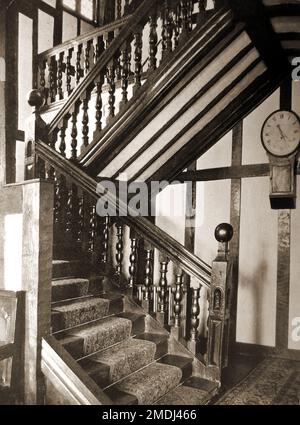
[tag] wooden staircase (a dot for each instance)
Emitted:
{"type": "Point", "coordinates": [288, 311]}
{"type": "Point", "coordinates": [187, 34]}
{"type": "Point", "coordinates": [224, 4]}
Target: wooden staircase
{"type": "Point", "coordinates": [133, 338]}
{"type": "Point", "coordinates": [120, 346]}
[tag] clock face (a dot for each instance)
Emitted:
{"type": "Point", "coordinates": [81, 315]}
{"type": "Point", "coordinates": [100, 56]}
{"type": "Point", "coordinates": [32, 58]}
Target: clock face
{"type": "Point", "coordinates": [281, 133]}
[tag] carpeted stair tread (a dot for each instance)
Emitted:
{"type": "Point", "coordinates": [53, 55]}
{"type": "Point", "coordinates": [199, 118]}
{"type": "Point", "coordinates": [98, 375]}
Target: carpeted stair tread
{"type": "Point", "coordinates": [184, 395]}
{"type": "Point", "coordinates": [108, 332]}
{"type": "Point", "coordinates": [184, 363]}
{"type": "Point", "coordinates": [137, 320]}
{"type": "Point", "coordinates": [149, 384]}
{"type": "Point", "coordinates": [81, 312]}
{"type": "Point", "coordinates": [160, 340]}
{"type": "Point", "coordinates": [119, 361]}
{"type": "Point", "coordinates": [69, 288]}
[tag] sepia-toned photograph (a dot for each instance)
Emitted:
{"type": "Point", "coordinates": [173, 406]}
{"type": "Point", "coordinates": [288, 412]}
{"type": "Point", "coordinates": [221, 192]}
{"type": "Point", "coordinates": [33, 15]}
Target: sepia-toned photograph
{"type": "Point", "coordinates": [149, 205]}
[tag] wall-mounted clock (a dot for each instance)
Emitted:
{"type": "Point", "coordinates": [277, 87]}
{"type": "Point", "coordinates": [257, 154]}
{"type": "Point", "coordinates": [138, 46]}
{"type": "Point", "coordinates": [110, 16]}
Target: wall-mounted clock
{"type": "Point", "coordinates": [280, 137]}
{"type": "Point", "coordinates": [281, 133]}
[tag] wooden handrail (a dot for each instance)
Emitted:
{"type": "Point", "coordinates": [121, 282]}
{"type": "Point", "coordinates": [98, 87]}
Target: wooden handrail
{"type": "Point", "coordinates": [135, 19]}
{"type": "Point", "coordinates": [65, 374]}
{"type": "Point", "coordinates": [167, 245]}
{"type": "Point", "coordinates": [84, 38]}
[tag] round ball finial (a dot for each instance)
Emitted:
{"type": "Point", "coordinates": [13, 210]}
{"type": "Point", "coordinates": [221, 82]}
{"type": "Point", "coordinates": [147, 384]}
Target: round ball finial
{"type": "Point", "coordinates": [35, 98]}
{"type": "Point", "coordinates": [224, 232]}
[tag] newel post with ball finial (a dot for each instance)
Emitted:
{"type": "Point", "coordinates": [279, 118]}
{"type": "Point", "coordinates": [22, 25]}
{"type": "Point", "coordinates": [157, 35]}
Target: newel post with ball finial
{"type": "Point", "coordinates": [219, 303]}
{"type": "Point", "coordinates": [36, 130]}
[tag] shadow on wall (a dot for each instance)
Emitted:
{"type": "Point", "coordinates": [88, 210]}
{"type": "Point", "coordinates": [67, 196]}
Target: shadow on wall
{"type": "Point", "coordinates": [251, 307]}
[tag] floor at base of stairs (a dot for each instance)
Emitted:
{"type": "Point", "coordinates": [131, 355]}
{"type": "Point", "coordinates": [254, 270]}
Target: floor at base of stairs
{"type": "Point", "coordinates": [272, 381]}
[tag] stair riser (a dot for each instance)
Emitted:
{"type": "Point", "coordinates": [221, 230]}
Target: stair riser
{"type": "Point", "coordinates": [68, 269]}
{"type": "Point", "coordinates": [148, 385]}
{"type": "Point", "coordinates": [65, 292]}
{"type": "Point", "coordinates": [102, 339]}
{"type": "Point", "coordinates": [61, 321]}
{"type": "Point", "coordinates": [104, 377]}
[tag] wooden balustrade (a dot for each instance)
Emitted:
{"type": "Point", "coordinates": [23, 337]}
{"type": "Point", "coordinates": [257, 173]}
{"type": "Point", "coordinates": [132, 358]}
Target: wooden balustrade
{"type": "Point", "coordinates": [92, 74]}
{"type": "Point", "coordinates": [67, 64]}
{"type": "Point", "coordinates": [75, 212]}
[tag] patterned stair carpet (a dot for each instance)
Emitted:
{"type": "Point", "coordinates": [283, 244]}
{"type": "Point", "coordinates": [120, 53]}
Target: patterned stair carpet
{"type": "Point", "coordinates": [113, 347]}
{"type": "Point", "coordinates": [272, 382]}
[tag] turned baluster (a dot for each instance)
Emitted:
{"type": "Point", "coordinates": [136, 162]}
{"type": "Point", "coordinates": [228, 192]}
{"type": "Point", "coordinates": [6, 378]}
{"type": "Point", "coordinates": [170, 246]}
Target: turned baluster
{"type": "Point", "coordinates": [52, 139]}
{"type": "Point", "coordinates": [163, 284]}
{"type": "Point", "coordinates": [98, 44]}
{"type": "Point", "coordinates": [92, 234]}
{"type": "Point", "coordinates": [202, 5]}
{"type": "Point", "coordinates": [126, 61]}
{"type": "Point", "coordinates": [51, 77]}
{"type": "Point", "coordinates": [119, 9]}
{"type": "Point", "coordinates": [62, 145]}
{"type": "Point", "coordinates": [133, 259]}
{"type": "Point", "coordinates": [60, 207]}
{"type": "Point", "coordinates": [163, 33]}
{"type": "Point", "coordinates": [99, 103]}
{"type": "Point", "coordinates": [74, 132]}
{"type": "Point", "coordinates": [184, 18]}
{"type": "Point", "coordinates": [42, 68]}
{"type": "Point", "coordinates": [148, 280]}
{"type": "Point", "coordinates": [85, 121]}
{"type": "Point", "coordinates": [111, 90]}
{"type": "Point", "coordinates": [153, 41]}
{"type": "Point", "coordinates": [78, 70]}
{"type": "Point", "coordinates": [126, 7]}
{"type": "Point", "coordinates": [68, 73]}
{"type": "Point", "coordinates": [138, 47]}
{"type": "Point", "coordinates": [119, 251]}
{"type": "Point", "coordinates": [177, 22]}
{"type": "Point", "coordinates": [169, 28]}
{"type": "Point", "coordinates": [178, 295]}
{"type": "Point", "coordinates": [72, 215]}
{"type": "Point", "coordinates": [194, 323]}
{"type": "Point", "coordinates": [163, 291]}
{"type": "Point", "coordinates": [190, 6]}
{"type": "Point", "coordinates": [118, 58]}
{"type": "Point", "coordinates": [59, 60]}
{"type": "Point", "coordinates": [105, 240]}
{"type": "Point", "coordinates": [81, 220]}
{"type": "Point", "coordinates": [86, 49]}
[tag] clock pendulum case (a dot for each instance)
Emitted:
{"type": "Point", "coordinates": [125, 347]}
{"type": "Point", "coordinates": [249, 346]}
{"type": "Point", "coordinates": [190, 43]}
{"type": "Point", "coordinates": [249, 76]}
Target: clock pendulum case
{"type": "Point", "coordinates": [280, 137]}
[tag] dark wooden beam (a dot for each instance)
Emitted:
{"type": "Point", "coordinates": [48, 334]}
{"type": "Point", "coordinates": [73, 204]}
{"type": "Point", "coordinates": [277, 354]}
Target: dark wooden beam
{"type": "Point", "coordinates": [11, 92]}
{"type": "Point", "coordinates": [225, 173]}
{"type": "Point", "coordinates": [260, 30]}
{"type": "Point", "coordinates": [284, 251]}
{"type": "Point", "coordinates": [190, 214]}
{"type": "Point", "coordinates": [58, 24]}
{"type": "Point", "coordinates": [3, 17]}
{"type": "Point", "coordinates": [235, 219]}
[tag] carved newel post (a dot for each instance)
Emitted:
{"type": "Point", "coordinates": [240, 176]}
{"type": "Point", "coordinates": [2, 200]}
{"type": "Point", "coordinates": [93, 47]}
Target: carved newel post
{"type": "Point", "coordinates": [219, 306]}
{"type": "Point", "coordinates": [36, 129]}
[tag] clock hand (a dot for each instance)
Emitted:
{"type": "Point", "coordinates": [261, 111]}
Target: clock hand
{"type": "Point", "coordinates": [283, 136]}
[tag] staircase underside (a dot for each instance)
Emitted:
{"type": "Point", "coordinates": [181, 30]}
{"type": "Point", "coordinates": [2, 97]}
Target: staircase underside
{"type": "Point", "coordinates": [214, 80]}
